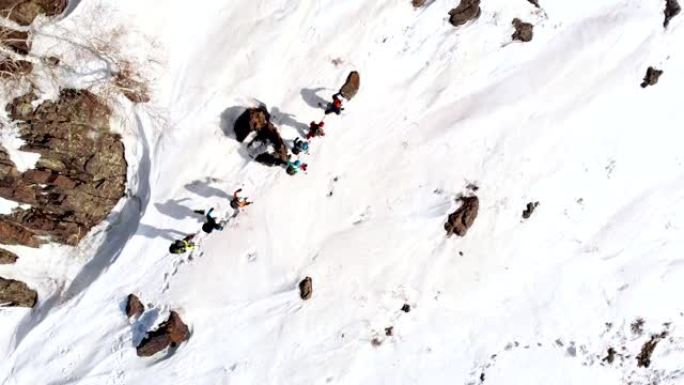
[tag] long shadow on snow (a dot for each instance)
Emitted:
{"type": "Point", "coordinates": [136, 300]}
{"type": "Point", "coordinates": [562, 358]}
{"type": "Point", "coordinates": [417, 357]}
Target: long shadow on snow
{"type": "Point", "coordinates": [281, 118]}
{"type": "Point", "coordinates": [310, 96]}
{"type": "Point", "coordinates": [123, 225]}
{"type": "Point", "coordinates": [174, 209]}
{"type": "Point", "coordinates": [204, 189]}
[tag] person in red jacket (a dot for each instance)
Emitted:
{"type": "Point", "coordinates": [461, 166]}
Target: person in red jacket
{"type": "Point", "coordinates": [315, 129]}
{"type": "Point", "coordinates": [335, 106]}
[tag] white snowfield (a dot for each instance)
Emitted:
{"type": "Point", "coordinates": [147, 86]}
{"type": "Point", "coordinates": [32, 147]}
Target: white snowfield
{"type": "Point", "coordinates": [561, 120]}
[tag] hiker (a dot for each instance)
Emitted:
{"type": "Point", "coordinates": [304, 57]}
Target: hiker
{"type": "Point", "coordinates": [293, 167]}
{"type": "Point", "coordinates": [300, 146]}
{"type": "Point", "coordinates": [315, 129]}
{"type": "Point", "coordinates": [211, 224]}
{"type": "Point", "coordinates": [237, 202]}
{"type": "Point", "coordinates": [335, 106]}
{"type": "Point", "coordinates": [180, 246]}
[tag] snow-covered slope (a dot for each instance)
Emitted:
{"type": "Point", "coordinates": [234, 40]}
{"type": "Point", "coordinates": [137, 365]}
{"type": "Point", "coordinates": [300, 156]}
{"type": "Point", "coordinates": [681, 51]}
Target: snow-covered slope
{"type": "Point", "coordinates": [560, 120]}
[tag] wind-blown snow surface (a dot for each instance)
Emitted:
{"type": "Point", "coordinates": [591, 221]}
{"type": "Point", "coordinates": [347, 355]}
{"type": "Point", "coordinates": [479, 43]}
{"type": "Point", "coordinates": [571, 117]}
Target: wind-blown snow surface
{"type": "Point", "coordinates": [561, 120]}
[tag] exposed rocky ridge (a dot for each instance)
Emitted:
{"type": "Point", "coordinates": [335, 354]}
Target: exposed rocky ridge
{"type": "Point", "coordinates": [23, 12]}
{"type": "Point", "coordinates": [17, 41]}
{"type": "Point", "coordinates": [7, 257]}
{"type": "Point", "coordinates": [16, 294]}
{"type": "Point", "coordinates": [79, 178]}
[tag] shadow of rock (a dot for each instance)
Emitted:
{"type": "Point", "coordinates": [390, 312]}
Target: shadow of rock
{"type": "Point", "coordinates": [228, 118]}
{"type": "Point", "coordinates": [285, 119]}
{"type": "Point", "coordinates": [145, 323]}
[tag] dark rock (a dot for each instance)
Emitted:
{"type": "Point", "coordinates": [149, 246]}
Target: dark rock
{"type": "Point", "coordinates": [134, 308]}
{"type": "Point", "coordinates": [10, 68]}
{"type": "Point", "coordinates": [23, 12]}
{"type": "Point", "coordinates": [253, 119]}
{"type": "Point", "coordinates": [418, 3]}
{"type": "Point", "coordinates": [7, 257]}
{"type": "Point", "coordinates": [16, 294]}
{"type": "Point", "coordinates": [389, 331]}
{"type": "Point", "coordinates": [535, 3]}
{"type": "Point", "coordinates": [79, 178]}
{"type": "Point", "coordinates": [652, 77]}
{"type": "Point", "coordinates": [672, 9]}
{"type": "Point", "coordinates": [637, 326]}
{"type": "Point", "coordinates": [610, 357]}
{"type": "Point", "coordinates": [460, 220]}
{"type": "Point", "coordinates": [406, 308]}
{"type": "Point", "coordinates": [269, 159]}
{"type": "Point", "coordinates": [171, 333]}
{"type": "Point", "coordinates": [644, 357]}
{"type": "Point", "coordinates": [376, 342]}
{"type": "Point", "coordinates": [351, 85]}
{"type": "Point", "coordinates": [523, 31]}
{"type": "Point", "coordinates": [467, 10]}
{"type": "Point", "coordinates": [531, 206]}
{"type": "Point", "coordinates": [17, 41]}
{"type": "Point", "coordinates": [306, 288]}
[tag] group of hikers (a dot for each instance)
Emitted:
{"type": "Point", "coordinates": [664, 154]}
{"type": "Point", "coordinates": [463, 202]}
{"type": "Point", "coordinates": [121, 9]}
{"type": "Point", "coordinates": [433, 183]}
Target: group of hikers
{"type": "Point", "coordinates": [292, 167]}
{"type": "Point", "coordinates": [210, 224]}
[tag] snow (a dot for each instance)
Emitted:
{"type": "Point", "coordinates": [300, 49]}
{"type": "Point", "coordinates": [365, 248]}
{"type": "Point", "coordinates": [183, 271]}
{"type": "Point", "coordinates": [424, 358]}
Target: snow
{"type": "Point", "coordinates": [11, 143]}
{"type": "Point", "coordinates": [561, 120]}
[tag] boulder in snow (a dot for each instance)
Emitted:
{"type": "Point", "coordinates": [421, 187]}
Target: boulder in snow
{"type": "Point", "coordinates": [531, 206]}
{"type": "Point", "coordinates": [351, 85]}
{"type": "Point", "coordinates": [253, 119]}
{"type": "Point", "coordinates": [467, 10]}
{"type": "Point", "coordinates": [306, 288]}
{"type": "Point", "coordinates": [134, 308]}
{"type": "Point", "coordinates": [652, 77]}
{"type": "Point", "coordinates": [672, 9]}
{"type": "Point", "coordinates": [535, 3]}
{"type": "Point", "coordinates": [460, 220]}
{"type": "Point", "coordinates": [16, 294]}
{"type": "Point", "coordinates": [171, 333]}
{"type": "Point", "coordinates": [7, 257]}
{"type": "Point", "coordinates": [523, 31]}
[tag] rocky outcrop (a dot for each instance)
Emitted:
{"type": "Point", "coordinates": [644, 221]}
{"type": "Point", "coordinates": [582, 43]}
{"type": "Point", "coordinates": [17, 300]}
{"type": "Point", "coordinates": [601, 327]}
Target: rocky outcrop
{"type": "Point", "coordinates": [253, 119]}
{"type": "Point", "coordinates": [11, 68]}
{"type": "Point", "coordinates": [23, 12]}
{"type": "Point", "coordinates": [531, 206]}
{"type": "Point", "coordinates": [462, 219]}
{"type": "Point", "coordinates": [672, 9]}
{"type": "Point", "coordinates": [16, 294]}
{"type": "Point", "coordinates": [652, 77]}
{"type": "Point", "coordinates": [467, 10]}
{"type": "Point", "coordinates": [7, 257]}
{"type": "Point", "coordinates": [418, 3]}
{"type": "Point", "coordinates": [644, 357]}
{"type": "Point", "coordinates": [306, 288]}
{"type": "Point", "coordinates": [171, 333]}
{"type": "Point", "coordinates": [79, 178]}
{"type": "Point", "coordinates": [523, 31]}
{"type": "Point", "coordinates": [17, 41]}
{"type": "Point", "coordinates": [134, 308]}
{"type": "Point", "coordinates": [535, 3]}
{"type": "Point", "coordinates": [351, 85]}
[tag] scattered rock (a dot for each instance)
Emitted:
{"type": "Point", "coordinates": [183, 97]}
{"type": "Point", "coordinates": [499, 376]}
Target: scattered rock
{"type": "Point", "coordinates": [79, 178]}
{"type": "Point", "coordinates": [644, 357]}
{"type": "Point", "coordinates": [132, 87]}
{"type": "Point", "coordinates": [467, 10]}
{"type": "Point", "coordinates": [376, 342]}
{"type": "Point", "coordinates": [610, 357]}
{"type": "Point", "coordinates": [535, 3]}
{"type": "Point", "coordinates": [306, 288]}
{"type": "Point", "coordinates": [418, 3]}
{"type": "Point", "coordinates": [672, 9]}
{"type": "Point", "coordinates": [523, 31]}
{"type": "Point", "coordinates": [10, 68]}
{"type": "Point", "coordinates": [17, 41]}
{"type": "Point", "coordinates": [171, 333]}
{"type": "Point", "coordinates": [134, 308]}
{"type": "Point", "coordinates": [16, 294]}
{"type": "Point", "coordinates": [651, 78]}
{"type": "Point", "coordinates": [7, 257]}
{"type": "Point", "coordinates": [406, 308]}
{"type": "Point", "coordinates": [638, 326]}
{"type": "Point", "coordinates": [23, 12]}
{"type": "Point", "coordinates": [351, 86]}
{"type": "Point", "coordinates": [531, 206]}
{"type": "Point", "coordinates": [460, 220]}
{"type": "Point", "coordinates": [389, 331]}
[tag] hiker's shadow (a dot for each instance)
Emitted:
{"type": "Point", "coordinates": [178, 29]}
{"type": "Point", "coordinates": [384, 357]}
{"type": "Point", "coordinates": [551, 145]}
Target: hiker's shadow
{"type": "Point", "coordinates": [281, 118]}
{"type": "Point", "coordinates": [204, 189]}
{"type": "Point", "coordinates": [310, 96]}
{"type": "Point", "coordinates": [174, 209]}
